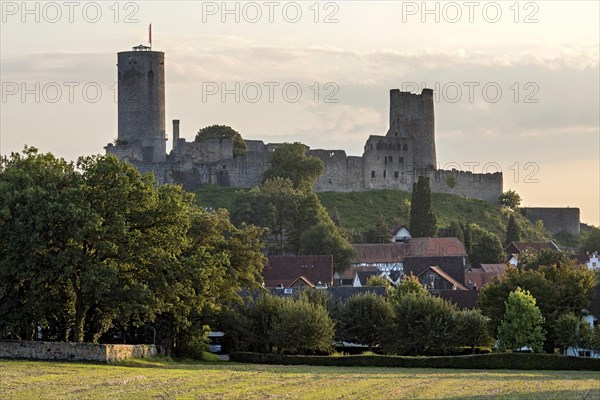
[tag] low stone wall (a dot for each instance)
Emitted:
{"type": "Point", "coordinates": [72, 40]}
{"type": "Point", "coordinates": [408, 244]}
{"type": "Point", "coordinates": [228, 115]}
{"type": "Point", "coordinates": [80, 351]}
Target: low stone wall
{"type": "Point", "coordinates": [74, 351]}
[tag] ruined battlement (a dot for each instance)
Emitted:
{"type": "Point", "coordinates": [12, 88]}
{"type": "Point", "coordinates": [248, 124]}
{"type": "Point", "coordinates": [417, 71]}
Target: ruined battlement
{"type": "Point", "coordinates": [390, 161]}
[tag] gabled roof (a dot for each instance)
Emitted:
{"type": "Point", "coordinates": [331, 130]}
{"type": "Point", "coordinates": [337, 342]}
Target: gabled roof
{"type": "Point", "coordinates": [303, 280]}
{"type": "Point", "coordinates": [452, 265]}
{"type": "Point", "coordinates": [285, 270]}
{"type": "Point", "coordinates": [518, 247]}
{"type": "Point", "coordinates": [396, 228]}
{"type": "Point", "coordinates": [444, 275]}
{"type": "Point", "coordinates": [363, 276]}
{"type": "Point", "coordinates": [374, 253]}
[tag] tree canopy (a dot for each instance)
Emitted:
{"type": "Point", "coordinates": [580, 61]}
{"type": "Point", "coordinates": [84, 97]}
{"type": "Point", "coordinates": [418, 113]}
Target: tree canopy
{"type": "Point", "coordinates": [510, 199]}
{"type": "Point", "coordinates": [289, 161]}
{"type": "Point", "coordinates": [522, 323]}
{"type": "Point", "coordinates": [296, 220]}
{"type": "Point", "coordinates": [558, 289]}
{"type": "Point", "coordinates": [486, 247]}
{"type": "Point", "coordinates": [513, 231]}
{"type": "Point", "coordinates": [94, 245]}
{"type": "Point", "coordinates": [224, 132]}
{"type": "Point", "coordinates": [422, 221]}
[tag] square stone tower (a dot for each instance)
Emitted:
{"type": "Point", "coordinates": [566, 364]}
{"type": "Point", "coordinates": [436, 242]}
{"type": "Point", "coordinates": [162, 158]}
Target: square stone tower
{"type": "Point", "coordinates": [412, 116]}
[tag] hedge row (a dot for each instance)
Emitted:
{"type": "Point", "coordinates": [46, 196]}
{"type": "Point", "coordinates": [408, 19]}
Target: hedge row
{"type": "Point", "coordinates": [517, 361]}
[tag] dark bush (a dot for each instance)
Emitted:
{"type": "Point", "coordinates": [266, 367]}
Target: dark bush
{"type": "Point", "coordinates": [515, 361]}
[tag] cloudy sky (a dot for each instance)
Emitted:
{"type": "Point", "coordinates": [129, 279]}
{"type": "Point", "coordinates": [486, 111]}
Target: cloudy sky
{"type": "Point", "coordinates": [516, 83]}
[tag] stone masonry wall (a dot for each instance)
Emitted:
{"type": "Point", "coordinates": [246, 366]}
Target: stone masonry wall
{"type": "Point", "coordinates": [74, 351]}
{"type": "Point", "coordinates": [486, 187]}
{"type": "Point", "coordinates": [556, 219]}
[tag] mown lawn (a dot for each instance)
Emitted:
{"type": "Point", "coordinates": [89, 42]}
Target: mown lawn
{"type": "Point", "coordinates": [167, 380]}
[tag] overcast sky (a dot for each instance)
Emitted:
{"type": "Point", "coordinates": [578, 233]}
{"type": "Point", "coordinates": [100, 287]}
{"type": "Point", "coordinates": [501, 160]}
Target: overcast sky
{"type": "Point", "coordinates": [516, 83]}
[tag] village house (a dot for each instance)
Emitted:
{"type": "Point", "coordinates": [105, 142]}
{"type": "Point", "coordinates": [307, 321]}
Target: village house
{"type": "Point", "coordinates": [515, 248]}
{"type": "Point", "coordinates": [298, 271]}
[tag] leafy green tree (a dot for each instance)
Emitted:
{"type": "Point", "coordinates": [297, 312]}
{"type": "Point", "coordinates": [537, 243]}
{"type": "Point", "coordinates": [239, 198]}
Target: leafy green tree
{"type": "Point", "coordinates": [289, 161]}
{"type": "Point", "coordinates": [468, 237]}
{"type": "Point", "coordinates": [315, 296]}
{"type": "Point", "coordinates": [455, 230]}
{"type": "Point", "coordinates": [522, 325]}
{"type": "Point", "coordinates": [325, 238]}
{"type": "Point", "coordinates": [379, 233]}
{"type": "Point", "coordinates": [532, 259]}
{"type": "Point", "coordinates": [422, 220]}
{"type": "Point", "coordinates": [378, 280]}
{"type": "Point", "coordinates": [297, 222]}
{"type": "Point", "coordinates": [88, 248]}
{"type": "Point", "coordinates": [510, 199]}
{"type": "Point", "coordinates": [303, 327]}
{"type": "Point", "coordinates": [486, 248]}
{"type": "Point", "coordinates": [472, 329]}
{"type": "Point", "coordinates": [557, 289]}
{"type": "Point", "coordinates": [363, 319]}
{"type": "Point", "coordinates": [513, 231]}
{"type": "Point", "coordinates": [591, 242]}
{"type": "Point", "coordinates": [224, 132]}
{"type": "Point", "coordinates": [422, 325]}
{"type": "Point", "coordinates": [408, 284]}
{"type": "Point", "coordinates": [573, 331]}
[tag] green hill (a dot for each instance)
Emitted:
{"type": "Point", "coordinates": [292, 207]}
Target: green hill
{"type": "Point", "coordinates": [359, 211]}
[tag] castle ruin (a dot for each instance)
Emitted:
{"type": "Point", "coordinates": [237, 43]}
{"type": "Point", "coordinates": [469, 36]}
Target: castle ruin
{"type": "Point", "coordinates": [392, 161]}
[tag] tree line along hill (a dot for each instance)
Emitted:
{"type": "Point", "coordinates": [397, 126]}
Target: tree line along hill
{"type": "Point", "coordinates": [359, 212]}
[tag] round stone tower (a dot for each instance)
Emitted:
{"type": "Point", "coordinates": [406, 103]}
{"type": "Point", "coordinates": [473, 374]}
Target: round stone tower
{"type": "Point", "coordinates": [141, 88]}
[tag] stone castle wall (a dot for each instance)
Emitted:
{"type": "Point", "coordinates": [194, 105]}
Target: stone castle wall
{"type": "Point", "coordinates": [555, 219]}
{"type": "Point", "coordinates": [74, 351]}
{"type": "Point", "coordinates": [393, 161]}
{"type": "Point", "coordinates": [486, 187]}
{"type": "Point", "coordinates": [384, 165]}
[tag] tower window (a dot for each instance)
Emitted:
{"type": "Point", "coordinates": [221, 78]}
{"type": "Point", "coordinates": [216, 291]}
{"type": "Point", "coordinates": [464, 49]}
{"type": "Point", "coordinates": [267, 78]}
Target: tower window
{"type": "Point", "coordinates": [405, 147]}
{"type": "Point", "coordinates": [391, 158]}
{"type": "Point", "coordinates": [396, 174]}
{"type": "Point", "coordinates": [384, 173]}
{"type": "Point", "coordinates": [401, 160]}
{"type": "Point", "coordinates": [372, 174]}
{"type": "Point", "coordinates": [385, 160]}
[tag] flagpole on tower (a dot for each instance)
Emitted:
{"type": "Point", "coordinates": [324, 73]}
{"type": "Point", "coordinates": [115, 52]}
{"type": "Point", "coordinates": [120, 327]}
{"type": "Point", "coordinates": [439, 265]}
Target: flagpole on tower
{"type": "Point", "coordinates": [150, 35]}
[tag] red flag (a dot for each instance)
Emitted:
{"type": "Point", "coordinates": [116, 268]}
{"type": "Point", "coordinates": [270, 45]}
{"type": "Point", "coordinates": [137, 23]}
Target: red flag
{"type": "Point", "coordinates": [150, 34]}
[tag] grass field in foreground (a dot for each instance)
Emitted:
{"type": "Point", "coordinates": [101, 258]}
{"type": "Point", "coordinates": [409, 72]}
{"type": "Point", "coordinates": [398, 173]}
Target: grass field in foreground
{"type": "Point", "coordinates": [167, 380]}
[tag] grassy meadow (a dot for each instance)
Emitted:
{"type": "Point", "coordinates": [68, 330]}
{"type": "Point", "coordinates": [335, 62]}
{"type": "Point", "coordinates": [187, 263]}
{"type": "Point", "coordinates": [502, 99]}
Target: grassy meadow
{"type": "Point", "coordinates": [159, 379]}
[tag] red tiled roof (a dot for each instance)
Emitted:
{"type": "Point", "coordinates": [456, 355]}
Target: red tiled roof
{"type": "Point", "coordinates": [372, 253]}
{"type": "Point", "coordinates": [484, 275]}
{"type": "Point", "coordinates": [286, 270]}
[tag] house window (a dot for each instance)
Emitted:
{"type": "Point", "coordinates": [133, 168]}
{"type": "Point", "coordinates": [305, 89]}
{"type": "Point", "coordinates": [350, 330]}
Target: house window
{"type": "Point", "coordinates": [405, 147]}
{"type": "Point", "coordinates": [372, 174]}
{"type": "Point", "coordinates": [396, 174]}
